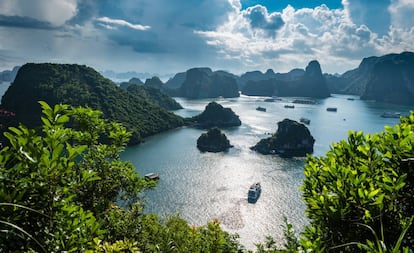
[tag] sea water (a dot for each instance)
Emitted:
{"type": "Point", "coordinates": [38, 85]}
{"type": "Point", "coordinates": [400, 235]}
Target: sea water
{"type": "Point", "coordinates": [203, 186]}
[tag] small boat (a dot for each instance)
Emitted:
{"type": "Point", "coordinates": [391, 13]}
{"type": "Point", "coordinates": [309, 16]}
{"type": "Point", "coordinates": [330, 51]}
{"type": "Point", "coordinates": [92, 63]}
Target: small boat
{"type": "Point", "coordinates": [351, 99]}
{"type": "Point", "coordinates": [289, 106]}
{"type": "Point", "coordinates": [262, 109]}
{"type": "Point", "coordinates": [305, 121]}
{"type": "Point", "coordinates": [391, 115]}
{"type": "Point", "coordinates": [269, 100]}
{"type": "Point", "coordinates": [254, 192]}
{"type": "Point", "coordinates": [304, 101]}
{"type": "Point", "coordinates": [331, 109]}
{"type": "Point", "coordinates": [152, 176]}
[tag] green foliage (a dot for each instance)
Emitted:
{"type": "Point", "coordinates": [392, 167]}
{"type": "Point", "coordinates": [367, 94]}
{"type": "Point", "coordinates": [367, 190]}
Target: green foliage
{"type": "Point", "coordinates": [291, 241]}
{"type": "Point", "coordinates": [363, 180]}
{"type": "Point", "coordinates": [154, 95]}
{"type": "Point", "coordinates": [59, 189]}
{"type": "Point", "coordinates": [66, 175]}
{"type": "Point", "coordinates": [175, 235]}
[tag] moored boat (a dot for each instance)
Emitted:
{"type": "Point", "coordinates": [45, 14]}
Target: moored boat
{"type": "Point", "coordinates": [152, 176]}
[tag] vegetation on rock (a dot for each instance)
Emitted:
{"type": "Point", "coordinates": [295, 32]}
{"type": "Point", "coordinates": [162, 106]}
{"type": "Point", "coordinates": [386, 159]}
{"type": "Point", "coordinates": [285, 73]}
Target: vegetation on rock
{"type": "Point", "coordinates": [154, 95]}
{"type": "Point", "coordinates": [213, 141]}
{"type": "Point", "coordinates": [215, 115]}
{"type": "Point", "coordinates": [291, 139]}
{"type": "Point", "coordinates": [82, 86]}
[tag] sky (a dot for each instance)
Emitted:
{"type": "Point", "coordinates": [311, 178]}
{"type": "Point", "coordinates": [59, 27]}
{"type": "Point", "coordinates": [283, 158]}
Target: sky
{"type": "Point", "coordinates": [170, 36]}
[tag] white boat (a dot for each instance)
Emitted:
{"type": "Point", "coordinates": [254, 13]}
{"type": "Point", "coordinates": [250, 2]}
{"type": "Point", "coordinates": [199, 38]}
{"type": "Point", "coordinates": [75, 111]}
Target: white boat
{"type": "Point", "coordinates": [391, 115]}
{"type": "Point", "coordinates": [254, 192]}
{"type": "Point", "coordinates": [152, 176]}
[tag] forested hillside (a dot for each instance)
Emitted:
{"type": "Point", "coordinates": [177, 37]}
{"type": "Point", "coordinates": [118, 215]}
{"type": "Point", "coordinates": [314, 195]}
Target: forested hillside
{"type": "Point", "coordinates": [79, 85]}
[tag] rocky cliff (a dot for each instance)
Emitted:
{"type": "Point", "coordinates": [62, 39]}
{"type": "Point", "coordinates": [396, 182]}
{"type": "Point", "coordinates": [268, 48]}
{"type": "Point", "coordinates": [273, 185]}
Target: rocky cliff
{"type": "Point", "coordinates": [203, 83]}
{"type": "Point", "coordinates": [215, 115]}
{"type": "Point", "coordinates": [292, 139]}
{"type": "Point", "coordinates": [213, 141]}
{"type": "Point", "coordinates": [309, 84]}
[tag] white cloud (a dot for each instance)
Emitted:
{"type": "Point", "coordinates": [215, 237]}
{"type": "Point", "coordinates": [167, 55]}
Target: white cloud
{"type": "Point", "coordinates": [55, 12]}
{"type": "Point", "coordinates": [108, 22]}
{"type": "Point", "coordinates": [402, 13]}
{"type": "Point", "coordinates": [299, 36]}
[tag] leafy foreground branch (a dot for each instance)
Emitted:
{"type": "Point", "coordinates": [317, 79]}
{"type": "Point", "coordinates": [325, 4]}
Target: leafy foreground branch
{"type": "Point", "coordinates": [60, 185]}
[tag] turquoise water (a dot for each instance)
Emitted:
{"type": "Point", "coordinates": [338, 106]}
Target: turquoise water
{"type": "Point", "coordinates": [203, 186]}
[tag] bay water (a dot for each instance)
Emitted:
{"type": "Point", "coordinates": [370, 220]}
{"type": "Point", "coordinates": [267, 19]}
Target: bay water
{"type": "Point", "coordinates": [201, 187]}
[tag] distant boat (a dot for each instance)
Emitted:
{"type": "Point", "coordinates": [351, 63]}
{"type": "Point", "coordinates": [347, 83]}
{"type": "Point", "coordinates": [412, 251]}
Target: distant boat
{"type": "Point", "coordinates": [254, 192]}
{"type": "Point", "coordinates": [289, 106]}
{"type": "Point", "coordinates": [331, 109]}
{"type": "Point", "coordinates": [304, 101]}
{"type": "Point", "coordinates": [391, 115]}
{"type": "Point", "coordinates": [351, 99]}
{"type": "Point", "coordinates": [270, 100]}
{"type": "Point", "coordinates": [152, 176]}
{"type": "Point", "coordinates": [305, 121]}
{"type": "Point", "coordinates": [262, 109]}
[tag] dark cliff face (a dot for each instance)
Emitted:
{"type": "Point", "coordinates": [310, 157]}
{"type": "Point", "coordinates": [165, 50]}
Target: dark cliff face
{"type": "Point", "coordinates": [215, 115]}
{"type": "Point", "coordinates": [291, 139]}
{"type": "Point", "coordinates": [154, 82]}
{"type": "Point", "coordinates": [391, 79]}
{"type": "Point", "coordinates": [213, 141]}
{"type": "Point", "coordinates": [203, 83]}
{"type": "Point", "coordinates": [310, 83]}
{"type": "Point", "coordinates": [388, 78]}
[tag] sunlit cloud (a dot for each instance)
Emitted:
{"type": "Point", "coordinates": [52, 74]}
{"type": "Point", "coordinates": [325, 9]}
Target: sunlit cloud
{"type": "Point", "coordinates": [111, 23]}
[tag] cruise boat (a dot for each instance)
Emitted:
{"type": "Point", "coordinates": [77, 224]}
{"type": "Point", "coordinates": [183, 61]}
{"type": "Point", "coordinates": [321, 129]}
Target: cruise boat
{"type": "Point", "coordinates": [254, 192]}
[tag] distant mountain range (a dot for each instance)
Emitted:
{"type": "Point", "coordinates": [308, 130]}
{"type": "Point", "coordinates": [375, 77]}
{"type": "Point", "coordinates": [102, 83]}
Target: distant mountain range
{"type": "Point", "coordinates": [9, 75]}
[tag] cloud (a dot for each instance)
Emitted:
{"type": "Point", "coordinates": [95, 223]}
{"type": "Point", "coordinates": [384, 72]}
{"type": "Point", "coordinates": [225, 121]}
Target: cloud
{"type": "Point", "coordinates": [258, 17]}
{"type": "Point", "coordinates": [401, 12]}
{"type": "Point", "coordinates": [54, 12]}
{"type": "Point", "coordinates": [24, 22]}
{"type": "Point", "coordinates": [109, 23]}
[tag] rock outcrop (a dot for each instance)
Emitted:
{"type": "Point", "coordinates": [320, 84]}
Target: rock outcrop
{"type": "Point", "coordinates": [203, 83]}
{"type": "Point", "coordinates": [216, 115]}
{"type": "Point", "coordinates": [213, 141]}
{"type": "Point", "coordinates": [154, 82]}
{"type": "Point", "coordinates": [308, 83]}
{"type": "Point", "coordinates": [292, 139]}
{"type": "Point", "coordinates": [388, 78]}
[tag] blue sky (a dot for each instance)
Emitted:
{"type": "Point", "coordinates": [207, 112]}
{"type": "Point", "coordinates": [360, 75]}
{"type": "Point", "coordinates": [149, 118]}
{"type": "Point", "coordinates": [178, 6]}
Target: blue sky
{"type": "Point", "coordinates": [164, 36]}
